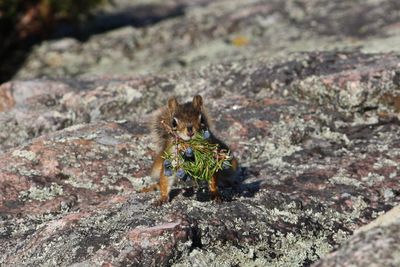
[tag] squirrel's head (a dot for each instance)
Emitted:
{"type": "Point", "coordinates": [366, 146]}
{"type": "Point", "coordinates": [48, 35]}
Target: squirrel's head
{"type": "Point", "coordinates": [186, 119]}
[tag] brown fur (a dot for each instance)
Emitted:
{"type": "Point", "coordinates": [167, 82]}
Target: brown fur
{"type": "Point", "coordinates": [189, 117]}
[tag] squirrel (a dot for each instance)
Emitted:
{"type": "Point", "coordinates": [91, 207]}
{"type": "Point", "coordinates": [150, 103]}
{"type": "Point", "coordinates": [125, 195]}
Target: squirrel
{"type": "Point", "coordinates": [183, 121]}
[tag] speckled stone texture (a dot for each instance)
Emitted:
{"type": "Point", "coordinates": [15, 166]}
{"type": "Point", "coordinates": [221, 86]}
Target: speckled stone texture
{"type": "Point", "coordinates": [317, 135]}
{"type": "Point", "coordinates": [314, 167]}
{"type": "Point", "coordinates": [375, 244]}
{"type": "Point", "coordinates": [199, 32]}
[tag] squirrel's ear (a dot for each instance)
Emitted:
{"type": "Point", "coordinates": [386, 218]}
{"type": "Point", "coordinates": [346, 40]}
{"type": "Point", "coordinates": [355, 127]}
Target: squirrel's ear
{"type": "Point", "coordinates": [172, 103]}
{"type": "Point", "coordinates": [197, 102]}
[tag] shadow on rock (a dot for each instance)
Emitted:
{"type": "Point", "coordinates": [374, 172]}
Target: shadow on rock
{"type": "Point", "coordinates": [229, 190]}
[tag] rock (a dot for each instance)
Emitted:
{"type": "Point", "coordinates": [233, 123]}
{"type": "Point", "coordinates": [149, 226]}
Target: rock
{"type": "Point", "coordinates": [315, 133]}
{"type": "Point", "coordinates": [89, 163]}
{"type": "Point", "coordinates": [43, 106]}
{"type": "Point", "coordinates": [316, 77]}
{"type": "Point", "coordinates": [197, 33]}
{"type": "Point", "coordinates": [374, 244]}
{"type": "Point", "coordinates": [315, 170]}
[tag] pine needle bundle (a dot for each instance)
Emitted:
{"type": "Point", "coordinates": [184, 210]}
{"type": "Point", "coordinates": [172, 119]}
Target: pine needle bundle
{"type": "Point", "coordinates": [197, 158]}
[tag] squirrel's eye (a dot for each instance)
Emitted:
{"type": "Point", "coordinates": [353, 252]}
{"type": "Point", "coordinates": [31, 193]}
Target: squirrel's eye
{"type": "Point", "coordinates": [174, 123]}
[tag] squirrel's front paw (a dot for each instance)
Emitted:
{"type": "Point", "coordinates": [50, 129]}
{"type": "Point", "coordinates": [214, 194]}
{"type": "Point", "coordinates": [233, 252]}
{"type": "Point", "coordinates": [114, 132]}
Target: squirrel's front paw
{"type": "Point", "coordinates": [216, 197]}
{"type": "Point", "coordinates": [159, 202]}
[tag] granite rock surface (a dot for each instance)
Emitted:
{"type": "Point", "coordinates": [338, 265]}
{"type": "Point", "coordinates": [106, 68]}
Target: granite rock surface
{"type": "Point", "coordinates": [315, 166]}
{"type": "Point", "coordinates": [189, 34]}
{"type": "Point", "coordinates": [316, 134]}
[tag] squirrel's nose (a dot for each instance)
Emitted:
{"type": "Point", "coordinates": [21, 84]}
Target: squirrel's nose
{"type": "Point", "coordinates": [190, 131]}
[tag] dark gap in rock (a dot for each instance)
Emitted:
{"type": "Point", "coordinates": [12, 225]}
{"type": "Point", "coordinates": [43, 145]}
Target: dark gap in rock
{"type": "Point", "coordinates": [196, 238]}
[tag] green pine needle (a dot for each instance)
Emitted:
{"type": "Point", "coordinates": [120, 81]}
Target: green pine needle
{"type": "Point", "coordinates": [208, 158]}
